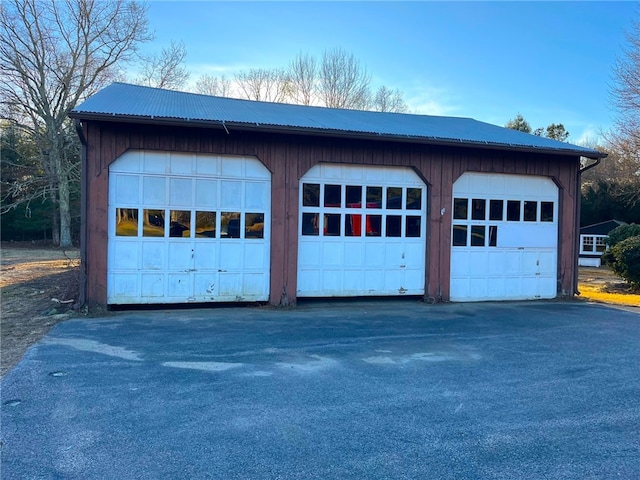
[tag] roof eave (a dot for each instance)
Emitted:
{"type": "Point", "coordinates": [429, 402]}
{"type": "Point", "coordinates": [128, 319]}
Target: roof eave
{"type": "Point", "coordinates": [182, 122]}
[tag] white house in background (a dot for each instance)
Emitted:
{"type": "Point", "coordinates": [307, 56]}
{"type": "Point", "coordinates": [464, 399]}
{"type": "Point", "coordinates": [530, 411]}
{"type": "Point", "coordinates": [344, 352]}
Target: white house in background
{"type": "Point", "coordinates": [592, 244]}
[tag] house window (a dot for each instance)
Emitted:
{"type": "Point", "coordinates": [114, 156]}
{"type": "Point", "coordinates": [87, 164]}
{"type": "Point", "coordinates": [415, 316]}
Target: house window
{"type": "Point", "coordinates": [593, 244]}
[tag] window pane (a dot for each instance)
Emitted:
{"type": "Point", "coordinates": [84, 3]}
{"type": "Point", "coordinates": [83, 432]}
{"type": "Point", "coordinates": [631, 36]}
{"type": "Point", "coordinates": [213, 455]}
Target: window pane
{"type": "Point", "coordinates": [546, 211]}
{"type": "Point", "coordinates": [459, 235]}
{"type": "Point", "coordinates": [394, 198]}
{"type": "Point", "coordinates": [587, 244]}
{"type": "Point", "coordinates": [600, 245]}
{"type": "Point", "coordinates": [414, 198]}
{"type": "Point", "coordinates": [309, 224]}
{"type": "Point", "coordinates": [205, 224]}
{"type": "Point", "coordinates": [180, 223]}
{"type": "Point", "coordinates": [495, 209]}
{"type": "Point", "coordinates": [530, 211]}
{"type": "Point", "coordinates": [332, 194]}
{"type": "Point", "coordinates": [374, 224]}
{"type": "Point", "coordinates": [493, 236]}
{"type": "Point", "coordinates": [394, 226]}
{"type": "Point", "coordinates": [310, 194]}
{"type": "Point", "coordinates": [354, 196]}
{"type": "Point", "coordinates": [413, 226]}
{"type": "Point", "coordinates": [477, 236]}
{"type": "Point", "coordinates": [230, 225]}
{"type": "Point", "coordinates": [353, 225]}
{"type": "Point", "coordinates": [374, 197]}
{"type": "Point", "coordinates": [513, 211]}
{"type": "Point", "coordinates": [254, 225]}
{"type": "Point", "coordinates": [153, 223]}
{"type": "Point", "coordinates": [332, 225]}
{"type": "Point", "coordinates": [127, 222]}
{"type": "Point", "coordinates": [478, 209]}
{"type": "Point", "coordinates": [460, 206]}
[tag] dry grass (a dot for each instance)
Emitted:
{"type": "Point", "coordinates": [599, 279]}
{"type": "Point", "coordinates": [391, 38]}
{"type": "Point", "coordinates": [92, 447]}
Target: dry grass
{"type": "Point", "coordinates": [597, 295]}
{"type": "Point", "coordinates": [602, 285]}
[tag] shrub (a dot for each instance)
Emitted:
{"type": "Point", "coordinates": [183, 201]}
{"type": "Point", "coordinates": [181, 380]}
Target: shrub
{"type": "Point", "coordinates": [624, 259]}
{"type": "Point", "coordinates": [622, 232]}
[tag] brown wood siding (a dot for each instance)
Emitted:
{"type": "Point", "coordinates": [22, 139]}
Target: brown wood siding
{"type": "Point", "coordinates": [289, 157]}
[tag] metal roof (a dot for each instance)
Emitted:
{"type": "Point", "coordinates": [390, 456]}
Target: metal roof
{"type": "Point", "coordinates": [125, 102]}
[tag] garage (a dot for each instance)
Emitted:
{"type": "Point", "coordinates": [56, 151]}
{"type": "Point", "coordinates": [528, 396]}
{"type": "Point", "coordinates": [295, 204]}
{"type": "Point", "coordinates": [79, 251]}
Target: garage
{"type": "Point", "coordinates": [362, 231]}
{"type": "Point", "coordinates": [187, 228]}
{"type": "Point", "coordinates": [194, 198]}
{"type": "Point", "coordinates": [504, 241]}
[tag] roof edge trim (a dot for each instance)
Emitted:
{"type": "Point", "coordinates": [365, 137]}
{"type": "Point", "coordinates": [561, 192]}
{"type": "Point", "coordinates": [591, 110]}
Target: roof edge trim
{"type": "Point", "coordinates": [324, 132]}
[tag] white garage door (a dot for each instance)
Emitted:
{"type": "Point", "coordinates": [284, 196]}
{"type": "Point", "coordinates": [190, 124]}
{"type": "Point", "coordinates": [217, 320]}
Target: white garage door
{"type": "Point", "coordinates": [504, 238]}
{"type": "Point", "coordinates": [188, 228]}
{"type": "Point", "coordinates": [362, 231]}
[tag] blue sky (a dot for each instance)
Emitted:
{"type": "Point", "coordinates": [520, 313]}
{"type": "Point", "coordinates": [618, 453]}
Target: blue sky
{"type": "Point", "coordinates": [550, 61]}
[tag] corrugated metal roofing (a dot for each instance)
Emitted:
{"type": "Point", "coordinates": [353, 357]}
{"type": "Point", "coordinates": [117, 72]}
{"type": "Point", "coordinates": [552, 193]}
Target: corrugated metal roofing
{"type": "Point", "coordinates": [134, 102]}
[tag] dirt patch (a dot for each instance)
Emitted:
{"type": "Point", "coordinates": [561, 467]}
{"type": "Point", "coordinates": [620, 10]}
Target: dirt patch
{"type": "Point", "coordinates": [39, 288]}
{"type": "Point", "coordinates": [602, 285]}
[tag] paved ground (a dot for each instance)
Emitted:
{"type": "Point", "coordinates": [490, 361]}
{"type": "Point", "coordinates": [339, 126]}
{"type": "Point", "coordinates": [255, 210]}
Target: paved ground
{"type": "Point", "coordinates": [387, 390]}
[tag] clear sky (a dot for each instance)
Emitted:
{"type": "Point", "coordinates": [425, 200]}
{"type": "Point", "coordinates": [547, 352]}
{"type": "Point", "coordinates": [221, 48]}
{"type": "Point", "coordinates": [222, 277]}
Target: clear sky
{"type": "Point", "coordinates": [550, 61]}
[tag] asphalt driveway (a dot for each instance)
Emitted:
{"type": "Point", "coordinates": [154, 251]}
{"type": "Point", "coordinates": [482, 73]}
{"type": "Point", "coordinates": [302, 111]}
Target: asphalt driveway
{"type": "Point", "coordinates": [367, 390]}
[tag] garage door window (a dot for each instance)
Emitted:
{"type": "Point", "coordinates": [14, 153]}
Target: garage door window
{"type": "Point", "coordinates": [232, 224]}
{"type": "Point", "coordinates": [467, 212]}
{"type": "Point", "coordinates": [205, 225]}
{"type": "Point", "coordinates": [153, 223]}
{"type": "Point", "coordinates": [180, 225]}
{"type": "Point", "coordinates": [126, 222]}
{"type": "Point", "coordinates": [328, 221]}
{"type": "Point", "coordinates": [546, 211]}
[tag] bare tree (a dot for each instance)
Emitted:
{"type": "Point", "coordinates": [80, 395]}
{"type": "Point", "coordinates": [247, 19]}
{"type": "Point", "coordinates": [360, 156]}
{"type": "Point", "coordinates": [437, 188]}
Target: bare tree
{"type": "Point", "coordinates": [264, 85]}
{"type": "Point", "coordinates": [53, 55]}
{"type": "Point", "coordinates": [216, 86]}
{"type": "Point", "coordinates": [626, 89]}
{"type": "Point", "coordinates": [387, 100]}
{"type": "Point", "coordinates": [303, 74]}
{"type": "Point", "coordinates": [343, 82]}
{"type": "Point", "coordinates": [165, 70]}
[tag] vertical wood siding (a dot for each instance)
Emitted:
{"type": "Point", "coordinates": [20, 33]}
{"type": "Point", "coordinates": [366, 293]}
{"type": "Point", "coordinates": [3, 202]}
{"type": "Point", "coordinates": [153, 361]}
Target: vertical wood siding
{"type": "Point", "coordinates": [289, 157]}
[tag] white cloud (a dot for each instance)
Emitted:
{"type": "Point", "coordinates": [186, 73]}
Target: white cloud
{"type": "Point", "coordinates": [429, 100]}
{"type": "Point", "coordinates": [198, 69]}
{"type": "Point", "coordinates": [589, 136]}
